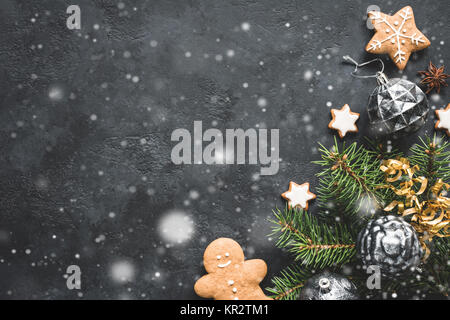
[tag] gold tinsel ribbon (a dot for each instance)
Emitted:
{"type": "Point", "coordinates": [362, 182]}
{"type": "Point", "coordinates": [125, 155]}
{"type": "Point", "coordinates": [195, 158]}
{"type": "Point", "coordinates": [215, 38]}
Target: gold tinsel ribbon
{"type": "Point", "coordinates": [429, 218]}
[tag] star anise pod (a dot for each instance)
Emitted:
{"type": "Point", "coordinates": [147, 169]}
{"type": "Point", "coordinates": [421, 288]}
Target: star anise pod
{"type": "Point", "coordinates": [434, 77]}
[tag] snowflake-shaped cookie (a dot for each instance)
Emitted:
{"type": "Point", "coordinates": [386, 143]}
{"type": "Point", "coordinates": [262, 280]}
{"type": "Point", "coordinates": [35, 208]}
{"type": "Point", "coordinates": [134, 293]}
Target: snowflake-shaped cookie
{"type": "Point", "coordinates": [396, 35]}
{"type": "Point", "coordinates": [444, 119]}
{"type": "Point", "coordinates": [343, 120]}
{"type": "Point", "coordinates": [298, 195]}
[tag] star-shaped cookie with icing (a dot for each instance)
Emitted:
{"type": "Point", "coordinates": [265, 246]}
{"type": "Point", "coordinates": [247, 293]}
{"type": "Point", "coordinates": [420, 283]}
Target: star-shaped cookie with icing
{"type": "Point", "coordinates": [444, 119]}
{"type": "Point", "coordinates": [396, 35]}
{"type": "Point", "coordinates": [298, 195]}
{"type": "Point", "coordinates": [343, 120]}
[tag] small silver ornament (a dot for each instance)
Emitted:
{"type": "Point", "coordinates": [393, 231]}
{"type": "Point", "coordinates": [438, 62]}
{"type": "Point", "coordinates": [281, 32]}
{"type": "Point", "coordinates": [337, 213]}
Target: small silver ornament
{"type": "Point", "coordinates": [390, 243]}
{"type": "Point", "coordinates": [328, 286]}
{"type": "Point", "coordinates": [397, 106]}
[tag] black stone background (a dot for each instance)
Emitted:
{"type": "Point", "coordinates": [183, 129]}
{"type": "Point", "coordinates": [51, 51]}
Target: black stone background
{"type": "Point", "coordinates": [53, 150]}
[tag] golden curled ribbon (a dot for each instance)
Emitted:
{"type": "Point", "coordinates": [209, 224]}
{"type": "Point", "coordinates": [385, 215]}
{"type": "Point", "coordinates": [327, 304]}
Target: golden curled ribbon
{"type": "Point", "coordinates": [430, 217]}
{"type": "Point", "coordinates": [396, 168]}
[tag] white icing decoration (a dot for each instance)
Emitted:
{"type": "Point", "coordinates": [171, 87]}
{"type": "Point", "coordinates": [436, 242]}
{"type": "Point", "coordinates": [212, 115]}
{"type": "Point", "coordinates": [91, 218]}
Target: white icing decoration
{"type": "Point", "coordinates": [344, 121]}
{"type": "Point", "coordinates": [444, 119]}
{"type": "Point", "coordinates": [227, 254]}
{"type": "Point", "coordinates": [298, 196]}
{"type": "Point", "coordinates": [387, 30]}
{"type": "Point", "coordinates": [236, 298]}
{"type": "Point", "coordinates": [219, 257]}
{"type": "Point", "coordinates": [230, 282]}
{"type": "Point", "coordinates": [234, 290]}
{"type": "Point", "coordinates": [223, 265]}
{"type": "Point", "coordinates": [406, 15]}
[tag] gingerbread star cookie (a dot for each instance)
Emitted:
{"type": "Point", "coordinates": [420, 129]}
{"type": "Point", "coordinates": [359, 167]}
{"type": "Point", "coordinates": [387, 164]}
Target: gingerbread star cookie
{"type": "Point", "coordinates": [230, 276]}
{"type": "Point", "coordinates": [444, 119]}
{"type": "Point", "coordinates": [396, 35]}
{"type": "Point", "coordinates": [298, 195]}
{"type": "Point", "coordinates": [343, 120]}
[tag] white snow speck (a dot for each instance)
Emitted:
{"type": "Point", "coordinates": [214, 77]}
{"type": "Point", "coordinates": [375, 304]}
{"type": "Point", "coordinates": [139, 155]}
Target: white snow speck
{"type": "Point", "coordinates": [176, 227]}
{"type": "Point", "coordinates": [245, 26]}
{"type": "Point", "coordinates": [56, 93]}
{"type": "Point", "coordinates": [308, 75]}
{"type": "Point", "coordinates": [262, 102]}
{"type": "Point", "coordinates": [122, 271]}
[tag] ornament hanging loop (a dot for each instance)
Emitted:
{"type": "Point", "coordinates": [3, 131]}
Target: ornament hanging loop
{"type": "Point", "coordinates": [381, 77]}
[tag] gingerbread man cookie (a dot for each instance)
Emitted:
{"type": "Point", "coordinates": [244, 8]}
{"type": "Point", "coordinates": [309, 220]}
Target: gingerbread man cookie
{"type": "Point", "coordinates": [229, 276]}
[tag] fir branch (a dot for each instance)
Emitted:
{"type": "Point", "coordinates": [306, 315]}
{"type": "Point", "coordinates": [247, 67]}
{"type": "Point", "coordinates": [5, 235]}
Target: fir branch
{"type": "Point", "coordinates": [433, 158]}
{"type": "Point", "coordinates": [311, 242]}
{"type": "Point", "coordinates": [289, 284]}
{"type": "Point", "coordinates": [382, 150]}
{"type": "Point", "coordinates": [350, 180]}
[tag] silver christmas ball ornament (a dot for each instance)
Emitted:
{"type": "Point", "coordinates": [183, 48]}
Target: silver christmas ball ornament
{"type": "Point", "coordinates": [328, 286]}
{"type": "Point", "coordinates": [390, 243]}
{"type": "Point", "coordinates": [396, 106]}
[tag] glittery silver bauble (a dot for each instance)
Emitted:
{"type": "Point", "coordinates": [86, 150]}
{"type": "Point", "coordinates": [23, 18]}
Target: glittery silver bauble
{"type": "Point", "coordinates": [328, 286]}
{"type": "Point", "coordinates": [397, 106]}
{"type": "Point", "coordinates": [390, 243]}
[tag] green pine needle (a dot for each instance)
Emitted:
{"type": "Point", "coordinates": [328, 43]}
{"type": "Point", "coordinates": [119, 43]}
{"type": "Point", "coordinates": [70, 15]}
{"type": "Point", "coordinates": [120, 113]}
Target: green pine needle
{"type": "Point", "coordinates": [289, 283]}
{"type": "Point", "coordinates": [350, 181]}
{"type": "Point", "coordinates": [433, 158]}
{"type": "Point", "coordinates": [311, 242]}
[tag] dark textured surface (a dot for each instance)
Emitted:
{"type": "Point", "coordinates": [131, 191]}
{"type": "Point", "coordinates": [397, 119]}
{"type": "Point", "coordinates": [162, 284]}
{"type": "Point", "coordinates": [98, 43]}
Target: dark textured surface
{"type": "Point", "coordinates": [72, 124]}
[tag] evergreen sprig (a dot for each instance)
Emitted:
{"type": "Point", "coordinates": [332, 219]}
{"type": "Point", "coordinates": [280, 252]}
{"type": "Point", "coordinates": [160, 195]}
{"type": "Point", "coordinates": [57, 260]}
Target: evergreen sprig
{"type": "Point", "coordinates": [313, 243]}
{"type": "Point", "coordinates": [382, 150]}
{"type": "Point", "coordinates": [350, 180]}
{"type": "Point", "coordinates": [288, 285]}
{"type": "Point", "coordinates": [433, 158]}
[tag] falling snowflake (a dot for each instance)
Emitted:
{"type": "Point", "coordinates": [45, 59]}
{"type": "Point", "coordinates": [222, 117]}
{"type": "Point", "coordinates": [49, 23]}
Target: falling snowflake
{"type": "Point", "coordinates": [176, 227]}
{"type": "Point", "coordinates": [122, 271]}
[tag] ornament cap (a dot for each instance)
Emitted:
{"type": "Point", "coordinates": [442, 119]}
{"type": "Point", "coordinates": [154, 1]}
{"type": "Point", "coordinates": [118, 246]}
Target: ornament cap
{"type": "Point", "coordinates": [382, 79]}
{"type": "Point", "coordinates": [324, 283]}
